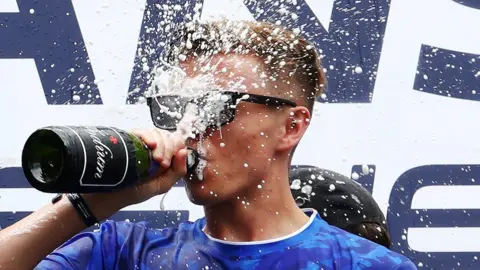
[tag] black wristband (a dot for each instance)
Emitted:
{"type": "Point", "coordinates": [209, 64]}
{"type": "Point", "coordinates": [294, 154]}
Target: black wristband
{"type": "Point", "coordinates": [82, 209]}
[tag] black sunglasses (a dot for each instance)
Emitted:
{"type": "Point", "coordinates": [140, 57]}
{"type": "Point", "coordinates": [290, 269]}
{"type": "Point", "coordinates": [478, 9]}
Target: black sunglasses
{"type": "Point", "coordinates": [168, 110]}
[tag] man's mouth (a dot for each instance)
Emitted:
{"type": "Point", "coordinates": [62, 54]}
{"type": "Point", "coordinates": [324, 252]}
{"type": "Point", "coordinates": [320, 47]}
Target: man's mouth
{"type": "Point", "coordinates": [195, 164]}
{"type": "Point", "coordinates": [196, 153]}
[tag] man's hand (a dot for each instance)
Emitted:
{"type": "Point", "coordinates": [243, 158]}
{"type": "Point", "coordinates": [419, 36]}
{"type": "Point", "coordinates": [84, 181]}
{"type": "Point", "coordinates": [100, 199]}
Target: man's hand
{"type": "Point", "coordinates": [170, 153]}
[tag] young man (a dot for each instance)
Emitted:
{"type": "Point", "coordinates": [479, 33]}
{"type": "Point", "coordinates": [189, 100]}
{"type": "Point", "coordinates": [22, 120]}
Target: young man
{"type": "Point", "coordinates": [251, 219]}
{"type": "Point", "coordinates": [340, 201]}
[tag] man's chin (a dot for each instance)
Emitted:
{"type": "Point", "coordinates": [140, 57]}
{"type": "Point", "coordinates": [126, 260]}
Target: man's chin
{"type": "Point", "coordinates": [198, 195]}
{"type": "Point", "coordinates": [199, 199]}
{"type": "Point", "coordinates": [196, 201]}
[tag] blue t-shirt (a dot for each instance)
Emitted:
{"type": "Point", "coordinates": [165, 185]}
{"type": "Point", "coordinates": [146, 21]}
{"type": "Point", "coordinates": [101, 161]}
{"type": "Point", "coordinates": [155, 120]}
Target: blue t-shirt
{"type": "Point", "coordinates": [125, 245]}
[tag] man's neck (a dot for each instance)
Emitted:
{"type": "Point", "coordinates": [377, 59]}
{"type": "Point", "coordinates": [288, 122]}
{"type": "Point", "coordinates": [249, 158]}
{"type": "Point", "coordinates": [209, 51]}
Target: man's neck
{"type": "Point", "coordinates": [260, 214]}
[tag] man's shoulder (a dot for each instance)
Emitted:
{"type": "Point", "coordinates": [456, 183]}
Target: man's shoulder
{"type": "Point", "coordinates": [362, 252]}
{"type": "Point", "coordinates": [117, 243]}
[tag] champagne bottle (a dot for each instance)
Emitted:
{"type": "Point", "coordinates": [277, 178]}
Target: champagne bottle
{"type": "Point", "coordinates": [86, 159]}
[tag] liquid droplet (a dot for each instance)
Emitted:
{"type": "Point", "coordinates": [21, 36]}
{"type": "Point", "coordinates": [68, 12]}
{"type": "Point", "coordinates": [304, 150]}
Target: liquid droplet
{"type": "Point", "coordinates": [307, 189]}
{"type": "Point", "coordinates": [182, 57]}
{"type": "Point", "coordinates": [365, 169]}
{"type": "Point", "coordinates": [296, 184]}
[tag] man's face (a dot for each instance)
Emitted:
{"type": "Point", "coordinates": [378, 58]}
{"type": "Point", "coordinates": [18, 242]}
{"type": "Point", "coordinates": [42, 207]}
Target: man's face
{"type": "Point", "coordinates": [239, 153]}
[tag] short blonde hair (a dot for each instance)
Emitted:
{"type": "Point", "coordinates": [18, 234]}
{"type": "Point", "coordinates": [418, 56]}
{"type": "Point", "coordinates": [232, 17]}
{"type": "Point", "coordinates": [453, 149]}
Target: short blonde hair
{"type": "Point", "coordinates": [285, 53]}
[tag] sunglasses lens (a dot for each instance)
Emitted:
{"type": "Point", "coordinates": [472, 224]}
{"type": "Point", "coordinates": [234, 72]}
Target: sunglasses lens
{"type": "Point", "coordinates": [213, 111]}
{"type": "Point", "coordinates": [217, 109]}
{"type": "Point", "coordinates": [226, 116]}
{"type": "Point", "coordinates": [167, 111]}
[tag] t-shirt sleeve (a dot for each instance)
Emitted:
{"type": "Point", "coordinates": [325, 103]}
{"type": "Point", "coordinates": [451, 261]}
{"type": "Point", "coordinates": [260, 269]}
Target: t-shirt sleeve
{"type": "Point", "coordinates": [407, 265]}
{"type": "Point", "coordinates": [74, 254]}
{"type": "Point", "coordinates": [90, 250]}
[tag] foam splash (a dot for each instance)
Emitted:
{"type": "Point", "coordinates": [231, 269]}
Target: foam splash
{"type": "Point", "coordinates": [168, 81]}
{"type": "Point", "coordinates": [189, 124]}
{"type": "Point", "coordinates": [197, 117]}
{"type": "Point", "coordinates": [202, 163]}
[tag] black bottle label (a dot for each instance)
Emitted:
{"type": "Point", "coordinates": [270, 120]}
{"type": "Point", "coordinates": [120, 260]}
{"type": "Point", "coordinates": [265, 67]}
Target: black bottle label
{"type": "Point", "coordinates": [106, 156]}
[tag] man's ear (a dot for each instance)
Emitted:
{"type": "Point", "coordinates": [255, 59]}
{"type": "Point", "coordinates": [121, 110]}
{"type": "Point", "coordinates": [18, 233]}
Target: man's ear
{"type": "Point", "coordinates": [295, 126]}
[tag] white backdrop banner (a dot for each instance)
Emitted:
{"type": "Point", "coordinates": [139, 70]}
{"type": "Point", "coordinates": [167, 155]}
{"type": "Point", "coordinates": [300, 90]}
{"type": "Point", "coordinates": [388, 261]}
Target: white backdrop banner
{"type": "Point", "coordinates": [404, 89]}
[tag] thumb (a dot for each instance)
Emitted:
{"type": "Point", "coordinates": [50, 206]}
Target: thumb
{"type": "Point", "coordinates": [179, 164]}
